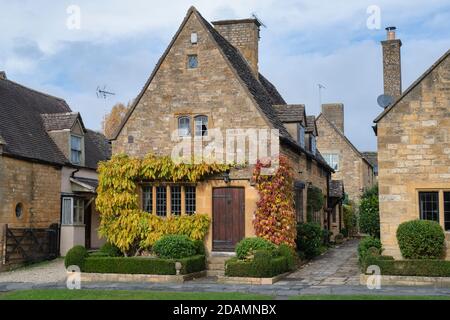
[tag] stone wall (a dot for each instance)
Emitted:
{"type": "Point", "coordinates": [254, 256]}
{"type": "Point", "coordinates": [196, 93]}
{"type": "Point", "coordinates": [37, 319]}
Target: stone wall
{"type": "Point", "coordinates": [353, 170]}
{"type": "Point", "coordinates": [414, 153]}
{"type": "Point", "coordinates": [36, 186]}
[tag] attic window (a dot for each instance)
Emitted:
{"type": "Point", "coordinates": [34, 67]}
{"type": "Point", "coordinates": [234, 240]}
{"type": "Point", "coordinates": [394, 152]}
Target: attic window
{"type": "Point", "coordinates": [75, 149]}
{"type": "Point", "coordinates": [194, 38]}
{"type": "Point", "coordinates": [192, 61]}
{"type": "Point", "coordinates": [130, 139]}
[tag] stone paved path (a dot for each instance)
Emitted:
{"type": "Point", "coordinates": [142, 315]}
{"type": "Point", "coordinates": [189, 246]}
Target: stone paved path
{"type": "Point", "coordinates": [335, 272]}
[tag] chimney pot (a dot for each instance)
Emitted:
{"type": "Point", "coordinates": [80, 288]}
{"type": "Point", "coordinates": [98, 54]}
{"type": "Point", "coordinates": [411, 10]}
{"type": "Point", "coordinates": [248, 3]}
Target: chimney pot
{"type": "Point", "coordinates": [390, 33]}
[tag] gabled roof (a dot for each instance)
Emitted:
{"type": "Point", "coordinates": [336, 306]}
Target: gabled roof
{"type": "Point", "coordinates": [289, 113]}
{"type": "Point", "coordinates": [27, 115]}
{"type": "Point", "coordinates": [372, 158]}
{"type": "Point", "coordinates": [61, 121]}
{"type": "Point", "coordinates": [413, 85]}
{"type": "Point", "coordinates": [311, 125]}
{"type": "Point", "coordinates": [263, 93]}
{"type": "Point", "coordinates": [340, 133]}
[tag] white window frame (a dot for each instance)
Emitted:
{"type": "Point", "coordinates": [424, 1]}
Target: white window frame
{"type": "Point", "coordinates": [199, 133]}
{"type": "Point", "coordinates": [73, 217]}
{"type": "Point", "coordinates": [75, 150]}
{"type": "Point", "coordinates": [333, 160]}
{"type": "Point", "coordinates": [181, 132]}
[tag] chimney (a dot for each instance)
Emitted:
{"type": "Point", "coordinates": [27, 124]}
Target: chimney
{"type": "Point", "coordinates": [392, 72]}
{"type": "Point", "coordinates": [334, 112]}
{"type": "Point", "coordinates": [3, 75]}
{"type": "Point", "coordinates": [244, 35]}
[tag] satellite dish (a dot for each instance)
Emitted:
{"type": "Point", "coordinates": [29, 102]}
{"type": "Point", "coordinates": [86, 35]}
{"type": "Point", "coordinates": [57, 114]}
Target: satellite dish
{"type": "Point", "coordinates": [385, 100]}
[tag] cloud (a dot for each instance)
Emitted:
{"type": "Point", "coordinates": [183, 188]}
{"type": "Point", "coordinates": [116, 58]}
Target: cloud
{"type": "Point", "coordinates": [305, 43]}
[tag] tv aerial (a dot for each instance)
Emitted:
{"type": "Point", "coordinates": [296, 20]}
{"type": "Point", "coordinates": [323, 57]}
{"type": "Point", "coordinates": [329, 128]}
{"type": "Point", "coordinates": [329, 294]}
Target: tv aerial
{"type": "Point", "coordinates": [385, 100]}
{"type": "Point", "coordinates": [103, 93]}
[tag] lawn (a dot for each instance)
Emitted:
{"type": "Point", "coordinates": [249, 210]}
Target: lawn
{"type": "Point", "coordinates": [367, 297]}
{"type": "Point", "coordinates": [64, 294]}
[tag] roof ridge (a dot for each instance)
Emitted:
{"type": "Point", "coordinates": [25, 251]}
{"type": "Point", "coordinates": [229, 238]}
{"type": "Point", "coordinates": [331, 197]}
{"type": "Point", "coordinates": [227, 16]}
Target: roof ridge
{"type": "Point", "coordinates": [36, 91]}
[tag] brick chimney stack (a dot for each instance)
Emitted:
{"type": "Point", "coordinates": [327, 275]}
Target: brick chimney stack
{"type": "Point", "coordinates": [334, 112]}
{"type": "Point", "coordinates": [244, 35]}
{"type": "Point", "coordinates": [392, 72]}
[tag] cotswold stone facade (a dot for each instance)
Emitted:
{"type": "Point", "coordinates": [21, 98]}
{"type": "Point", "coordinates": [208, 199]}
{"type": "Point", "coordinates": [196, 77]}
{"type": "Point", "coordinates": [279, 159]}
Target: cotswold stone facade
{"type": "Point", "coordinates": [349, 164]}
{"type": "Point", "coordinates": [208, 79]}
{"type": "Point", "coordinates": [414, 156]}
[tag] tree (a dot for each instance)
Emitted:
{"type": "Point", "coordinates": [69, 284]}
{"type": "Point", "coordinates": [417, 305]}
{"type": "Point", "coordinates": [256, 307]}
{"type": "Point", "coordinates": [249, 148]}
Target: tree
{"type": "Point", "coordinates": [369, 213]}
{"type": "Point", "coordinates": [114, 118]}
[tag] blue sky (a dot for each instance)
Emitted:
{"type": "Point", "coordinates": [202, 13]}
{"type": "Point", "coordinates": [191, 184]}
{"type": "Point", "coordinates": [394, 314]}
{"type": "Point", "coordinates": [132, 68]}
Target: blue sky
{"type": "Point", "coordinates": [304, 43]}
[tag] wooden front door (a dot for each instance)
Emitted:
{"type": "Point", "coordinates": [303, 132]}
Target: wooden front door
{"type": "Point", "coordinates": [228, 218]}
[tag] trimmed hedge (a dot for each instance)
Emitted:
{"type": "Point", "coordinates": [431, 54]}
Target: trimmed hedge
{"type": "Point", "coordinates": [110, 250]}
{"type": "Point", "coordinates": [421, 239]}
{"type": "Point", "coordinates": [421, 268]}
{"type": "Point", "coordinates": [365, 244]}
{"type": "Point", "coordinates": [135, 265]}
{"type": "Point", "coordinates": [248, 246]}
{"type": "Point", "coordinates": [175, 247]}
{"type": "Point", "coordinates": [76, 257]}
{"type": "Point", "coordinates": [264, 265]}
{"type": "Point", "coordinates": [291, 256]}
{"type": "Point", "coordinates": [309, 239]}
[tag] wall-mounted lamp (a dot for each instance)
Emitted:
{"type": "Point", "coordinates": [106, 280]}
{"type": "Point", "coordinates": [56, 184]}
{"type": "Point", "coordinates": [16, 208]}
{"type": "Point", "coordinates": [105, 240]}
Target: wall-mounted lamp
{"type": "Point", "coordinates": [226, 177]}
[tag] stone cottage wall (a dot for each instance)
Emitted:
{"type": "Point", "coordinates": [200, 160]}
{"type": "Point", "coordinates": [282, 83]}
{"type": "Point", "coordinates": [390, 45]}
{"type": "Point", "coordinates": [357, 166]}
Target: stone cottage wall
{"type": "Point", "coordinates": [414, 153]}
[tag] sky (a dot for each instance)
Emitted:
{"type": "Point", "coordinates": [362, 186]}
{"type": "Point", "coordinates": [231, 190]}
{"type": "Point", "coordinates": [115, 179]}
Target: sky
{"type": "Point", "coordinates": [70, 48]}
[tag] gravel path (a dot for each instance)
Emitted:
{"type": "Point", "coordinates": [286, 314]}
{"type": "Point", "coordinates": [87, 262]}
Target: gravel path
{"type": "Point", "coordinates": [46, 272]}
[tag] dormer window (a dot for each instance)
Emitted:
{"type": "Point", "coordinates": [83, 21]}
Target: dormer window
{"type": "Point", "coordinates": [201, 126]}
{"type": "Point", "coordinates": [75, 149]}
{"type": "Point", "coordinates": [184, 126]}
{"type": "Point", "coordinates": [301, 136]}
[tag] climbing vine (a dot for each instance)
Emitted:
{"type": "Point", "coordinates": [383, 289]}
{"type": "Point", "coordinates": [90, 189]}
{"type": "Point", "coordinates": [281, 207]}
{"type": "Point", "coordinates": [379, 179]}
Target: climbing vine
{"type": "Point", "coordinates": [122, 222]}
{"type": "Point", "coordinates": [314, 201]}
{"type": "Point", "coordinates": [274, 216]}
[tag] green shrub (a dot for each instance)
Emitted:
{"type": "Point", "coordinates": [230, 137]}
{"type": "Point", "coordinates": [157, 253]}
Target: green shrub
{"type": "Point", "coordinates": [263, 265]}
{"type": "Point", "coordinates": [365, 244]}
{"type": "Point", "coordinates": [344, 232]}
{"type": "Point", "coordinates": [326, 237]}
{"type": "Point", "coordinates": [314, 201]}
{"type": "Point", "coordinates": [339, 238]}
{"type": "Point", "coordinates": [309, 239]}
{"type": "Point", "coordinates": [419, 268]}
{"type": "Point", "coordinates": [350, 219]}
{"type": "Point", "coordinates": [110, 250]}
{"type": "Point", "coordinates": [76, 257]}
{"type": "Point", "coordinates": [174, 247]}
{"type": "Point", "coordinates": [421, 239]}
{"type": "Point", "coordinates": [137, 265]}
{"type": "Point", "coordinates": [200, 247]}
{"type": "Point", "coordinates": [369, 213]}
{"type": "Point", "coordinates": [247, 247]}
{"type": "Point", "coordinates": [290, 255]}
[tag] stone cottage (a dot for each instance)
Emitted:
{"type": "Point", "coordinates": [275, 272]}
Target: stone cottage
{"type": "Point", "coordinates": [413, 147]}
{"type": "Point", "coordinates": [208, 79]}
{"type": "Point", "coordinates": [348, 162]}
{"type": "Point", "coordinates": [48, 162]}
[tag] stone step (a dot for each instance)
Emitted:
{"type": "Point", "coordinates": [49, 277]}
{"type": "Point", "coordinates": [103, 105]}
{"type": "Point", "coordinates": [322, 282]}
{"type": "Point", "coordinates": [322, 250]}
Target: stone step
{"type": "Point", "coordinates": [216, 266]}
{"type": "Point", "coordinates": [215, 273]}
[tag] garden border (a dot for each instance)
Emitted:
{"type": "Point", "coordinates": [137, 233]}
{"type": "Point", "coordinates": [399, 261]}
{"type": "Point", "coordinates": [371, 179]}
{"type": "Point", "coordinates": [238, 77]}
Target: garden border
{"type": "Point", "coordinates": [139, 278]}
{"type": "Point", "coordinates": [387, 280]}
{"type": "Point", "coordinates": [251, 281]}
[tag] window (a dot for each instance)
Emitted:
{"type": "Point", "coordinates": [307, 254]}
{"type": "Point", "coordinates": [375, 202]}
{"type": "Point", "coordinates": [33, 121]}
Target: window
{"type": "Point", "coordinates": [194, 38]}
{"type": "Point", "coordinates": [147, 199]}
{"type": "Point", "coordinates": [19, 211]}
{"type": "Point", "coordinates": [201, 126]}
{"type": "Point", "coordinates": [75, 149]}
{"type": "Point", "coordinates": [184, 126]}
{"type": "Point", "coordinates": [429, 205]}
{"type": "Point", "coordinates": [298, 203]}
{"type": "Point", "coordinates": [190, 199]}
{"type": "Point", "coordinates": [175, 200]}
{"type": "Point", "coordinates": [161, 201]}
{"type": "Point", "coordinates": [313, 145]}
{"type": "Point", "coordinates": [301, 135]}
{"type": "Point", "coordinates": [72, 211]}
{"type": "Point", "coordinates": [192, 61]}
{"type": "Point", "coordinates": [447, 211]}
{"type": "Point", "coordinates": [333, 160]}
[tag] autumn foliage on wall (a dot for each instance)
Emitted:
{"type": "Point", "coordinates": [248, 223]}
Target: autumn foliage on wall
{"type": "Point", "coordinates": [274, 216]}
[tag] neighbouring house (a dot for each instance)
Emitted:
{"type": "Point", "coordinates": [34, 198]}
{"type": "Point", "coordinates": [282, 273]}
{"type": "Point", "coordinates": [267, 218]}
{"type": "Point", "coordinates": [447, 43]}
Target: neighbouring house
{"type": "Point", "coordinates": [349, 164]}
{"type": "Point", "coordinates": [413, 147]}
{"type": "Point", "coordinates": [372, 157]}
{"type": "Point", "coordinates": [48, 162]}
{"type": "Point", "coordinates": [208, 79]}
